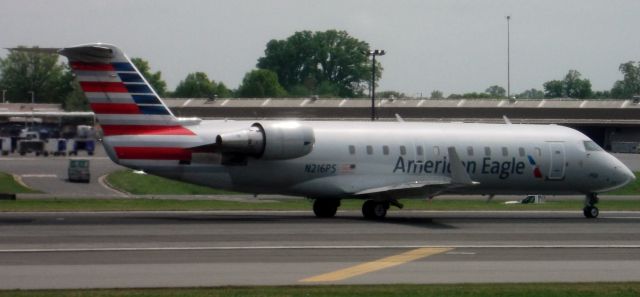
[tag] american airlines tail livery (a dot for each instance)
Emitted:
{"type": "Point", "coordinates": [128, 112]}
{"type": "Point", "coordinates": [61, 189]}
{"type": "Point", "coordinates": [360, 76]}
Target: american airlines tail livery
{"type": "Point", "coordinates": [378, 162]}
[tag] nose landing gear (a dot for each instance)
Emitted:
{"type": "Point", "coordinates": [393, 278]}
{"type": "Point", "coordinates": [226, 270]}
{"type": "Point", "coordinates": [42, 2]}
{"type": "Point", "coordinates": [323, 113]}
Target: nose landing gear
{"type": "Point", "coordinates": [590, 210]}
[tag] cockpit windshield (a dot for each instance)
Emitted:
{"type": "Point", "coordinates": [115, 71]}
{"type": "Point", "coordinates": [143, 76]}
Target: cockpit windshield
{"type": "Point", "coordinates": [591, 146]}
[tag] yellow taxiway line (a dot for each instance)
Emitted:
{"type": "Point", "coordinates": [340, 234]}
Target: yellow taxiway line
{"type": "Point", "coordinates": [376, 265]}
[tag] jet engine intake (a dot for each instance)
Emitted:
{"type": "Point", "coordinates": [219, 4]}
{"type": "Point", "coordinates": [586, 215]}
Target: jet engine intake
{"type": "Point", "coordinates": [270, 141]}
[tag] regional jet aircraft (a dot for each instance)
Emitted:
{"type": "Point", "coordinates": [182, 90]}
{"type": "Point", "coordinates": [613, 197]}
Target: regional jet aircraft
{"type": "Point", "coordinates": [378, 162]}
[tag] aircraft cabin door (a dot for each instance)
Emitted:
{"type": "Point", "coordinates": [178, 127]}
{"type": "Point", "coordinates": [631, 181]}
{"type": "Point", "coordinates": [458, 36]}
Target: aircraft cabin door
{"type": "Point", "coordinates": [557, 164]}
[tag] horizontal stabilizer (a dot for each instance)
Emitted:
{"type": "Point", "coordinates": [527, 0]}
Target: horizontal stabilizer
{"type": "Point", "coordinates": [40, 50]}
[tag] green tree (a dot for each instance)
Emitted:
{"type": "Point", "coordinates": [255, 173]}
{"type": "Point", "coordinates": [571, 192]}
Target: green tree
{"type": "Point", "coordinates": [309, 59]}
{"type": "Point", "coordinates": [531, 94]}
{"type": "Point", "coordinates": [601, 95]}
{"type": "Point", "coordinates": [390, 95]}
{"type": "Point", "coordinates": [435, 94]}
{"type": "Point", "coordinates": [575, 87]}
{"type": "Point", "coordinates": [553, 89]}
{"type": "Point", "coordinates": [155, 79]}
{"type": "Point", "coordinates": [496, 91]}
{"type": "Point", "coordinates": [75, 100]}
{"type": "Point", "coordinates": [198, 85]}
{"type": "Point", "coordinates": [222, 91]}
{"type": "Point", "coordinates": [572, 86]}
{"type": "Point", "coordinates": [23, 72]}
{"type": "Point", "coordinates": [261, 83]}
{"type": "Point", "coordinates": [472, 95]}
{"type": "Point", "coordinates": [630, 84]}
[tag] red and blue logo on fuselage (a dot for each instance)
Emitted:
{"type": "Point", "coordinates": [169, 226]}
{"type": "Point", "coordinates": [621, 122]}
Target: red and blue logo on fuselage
{"type": "Point", "coordinates": [536, 169]}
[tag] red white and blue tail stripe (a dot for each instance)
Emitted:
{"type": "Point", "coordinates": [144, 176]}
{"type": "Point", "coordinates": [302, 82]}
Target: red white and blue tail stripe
{"type": "Point", "coordinates": [136, 124]}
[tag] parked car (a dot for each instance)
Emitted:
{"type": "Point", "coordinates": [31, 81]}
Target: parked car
{"type": "Point", "coordinates": [530, 199]}
{"type": "Point", "coordinates": [78, 170]}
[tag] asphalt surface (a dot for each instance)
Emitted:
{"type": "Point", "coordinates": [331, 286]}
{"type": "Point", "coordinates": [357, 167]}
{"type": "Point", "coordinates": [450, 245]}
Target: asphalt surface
{"type": "Point", "coordinates": [49, 174]}
{"type": "Point", "coordinates": [174, 249]}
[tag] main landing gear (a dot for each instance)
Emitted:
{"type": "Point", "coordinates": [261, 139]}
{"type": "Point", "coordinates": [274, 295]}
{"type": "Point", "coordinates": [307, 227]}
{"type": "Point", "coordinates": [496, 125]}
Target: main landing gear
{"type": "Point", "coordinates": [374, 210]}
{"type": "Point", "coordinates": [590, 210]}
{"type": "Point", "coordinates": [325, 208]}
{"type": "Point", "coordinates": [371, 209]}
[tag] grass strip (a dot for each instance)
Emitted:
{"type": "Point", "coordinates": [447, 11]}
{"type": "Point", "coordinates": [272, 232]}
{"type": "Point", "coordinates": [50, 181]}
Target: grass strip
{"type": "Point", "coordinates": [9, 185]}
{"type": "Point", "coordinates": [480, 290]}
{"type": "Point", "coordinates": [144, 204]}
{"type": "Point", "coordinates": [147, 184]}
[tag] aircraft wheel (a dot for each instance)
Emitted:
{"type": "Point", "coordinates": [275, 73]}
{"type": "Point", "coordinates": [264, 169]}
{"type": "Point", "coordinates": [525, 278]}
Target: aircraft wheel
{"type": "Point", "coordinates": [374, 210]}
{"type": "Point", "coordinates": [591, 212]}
{"type": "Point", "coordinates": [325, 208]}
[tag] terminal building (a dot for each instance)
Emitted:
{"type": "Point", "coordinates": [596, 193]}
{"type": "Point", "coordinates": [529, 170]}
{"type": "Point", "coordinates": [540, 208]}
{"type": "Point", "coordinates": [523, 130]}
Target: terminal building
{"type": "Point", "coordinates": [614, 124]}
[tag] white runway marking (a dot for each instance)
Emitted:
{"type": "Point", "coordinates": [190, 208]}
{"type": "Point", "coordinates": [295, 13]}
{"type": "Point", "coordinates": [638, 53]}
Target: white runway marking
{"type": "Point", "coordinates": [40, 175]}
{"type": "Point", "coordinates": [320, 247]}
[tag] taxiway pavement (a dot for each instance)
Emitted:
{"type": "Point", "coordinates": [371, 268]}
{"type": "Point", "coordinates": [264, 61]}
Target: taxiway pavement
{"type": "Point", "coordinates": [174, 249]}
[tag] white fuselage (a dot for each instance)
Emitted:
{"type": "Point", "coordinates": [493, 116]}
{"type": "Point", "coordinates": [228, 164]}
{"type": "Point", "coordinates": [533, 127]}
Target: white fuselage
{"type": "Point", "coordinates": [349, 157]}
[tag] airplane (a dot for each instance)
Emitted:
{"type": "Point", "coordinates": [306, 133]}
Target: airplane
{"type": "Point", "coordinates": [327, 161]}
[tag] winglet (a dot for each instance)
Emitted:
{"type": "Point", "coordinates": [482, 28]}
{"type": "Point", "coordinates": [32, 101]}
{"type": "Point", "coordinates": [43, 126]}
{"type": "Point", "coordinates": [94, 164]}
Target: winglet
{"type": "Point", "coordinates": [459, 174]}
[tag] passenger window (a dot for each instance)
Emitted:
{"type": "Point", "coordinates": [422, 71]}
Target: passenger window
{"type": "Point", "coordinates": [403, 150]}
{"type": "Point", "coordinates": [538, 152]}
{"type": "Point", "coordinates": [369, 150]}
{"type": "Point", "coordinates": [470, 150]}
{"type": "Point", "coordinates": [385, 149]}
{"type": "Point", "coordinates": [352, 150]}
{"type": "Point", "coordinates": [419, 150]}
{"type": "Point", "coordinates": [436, 151]}
{"type": "Point", "coordinates": [487, 151]}
{"type": "Point", "coordinates": [505, 151]}
{"type": "Point", "coordinates": [521, 152]}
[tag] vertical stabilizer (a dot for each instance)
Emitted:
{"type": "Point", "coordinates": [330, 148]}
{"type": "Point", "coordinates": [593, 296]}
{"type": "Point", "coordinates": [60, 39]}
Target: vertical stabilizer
{"type": "Point", "coordinates": [123, 101]}
{"type": "Point", "coordinates": [135, 123]}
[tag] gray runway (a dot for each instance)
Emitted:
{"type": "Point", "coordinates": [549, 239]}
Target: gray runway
{"type": "Point", "coordinates": [174, 249]}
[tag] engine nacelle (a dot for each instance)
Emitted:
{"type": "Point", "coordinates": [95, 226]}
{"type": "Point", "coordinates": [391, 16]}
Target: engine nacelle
{"type": "Point", "coordinates": [272, 141]}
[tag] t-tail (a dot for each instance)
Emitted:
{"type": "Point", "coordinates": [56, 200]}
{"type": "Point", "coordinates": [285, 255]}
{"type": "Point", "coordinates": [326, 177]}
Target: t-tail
{"type": "Point", "coordinates": [135, 123]}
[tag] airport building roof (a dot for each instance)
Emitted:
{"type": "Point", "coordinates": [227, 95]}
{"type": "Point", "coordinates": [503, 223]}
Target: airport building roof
{"type": "Point", "coordinates": [570, 111]}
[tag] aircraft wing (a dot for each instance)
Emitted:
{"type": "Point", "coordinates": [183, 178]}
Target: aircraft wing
{"type": "Point", "coordinates": [429, 185]}
{"type": "Point", "coordinates": [408, 186]}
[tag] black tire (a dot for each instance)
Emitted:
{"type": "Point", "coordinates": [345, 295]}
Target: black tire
{"type": "Point", "coordinates": [591, 212]}
{"type": "Point", "coordinates": [374, 210]}
{"type": "Point", "coordinates": [325, 208]}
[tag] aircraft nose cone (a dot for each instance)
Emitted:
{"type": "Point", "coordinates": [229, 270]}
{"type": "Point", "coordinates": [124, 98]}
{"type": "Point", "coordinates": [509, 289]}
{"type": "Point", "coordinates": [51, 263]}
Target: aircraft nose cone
{"type": "Point", "coordinates": [628, 175]}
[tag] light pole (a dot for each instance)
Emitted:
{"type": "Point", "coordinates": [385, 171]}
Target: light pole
{"type": "Point", "coordinates": [508, 59]}
{"type": "Point", "coordinates": [373, 54]}
{"type": "Point", "coordinates": [33, 96]}
{"type": "Point", "coordinates": [4, 96]}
